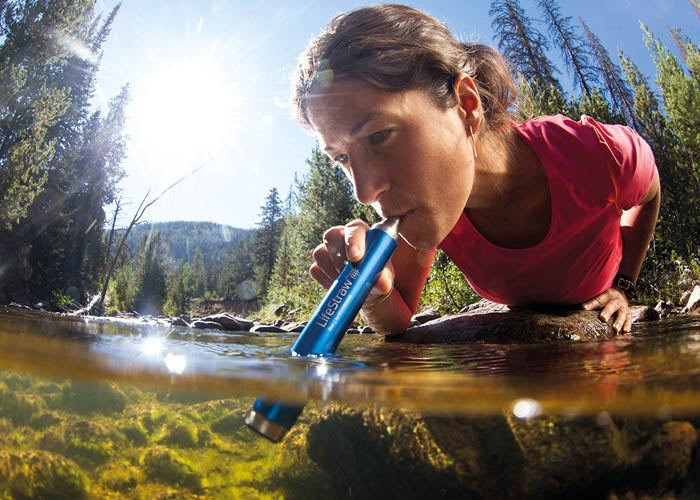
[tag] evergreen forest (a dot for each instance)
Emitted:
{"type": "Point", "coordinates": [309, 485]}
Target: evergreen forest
{"type": "Point", "coordinates": [60, 167]}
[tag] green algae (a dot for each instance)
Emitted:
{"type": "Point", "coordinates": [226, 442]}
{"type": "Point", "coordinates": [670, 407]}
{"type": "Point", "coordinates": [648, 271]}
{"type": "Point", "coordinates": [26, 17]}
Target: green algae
{"type": "Point", "coordinates": [161, 464]}
{"type": "Point", "coordinates": [40, 475]}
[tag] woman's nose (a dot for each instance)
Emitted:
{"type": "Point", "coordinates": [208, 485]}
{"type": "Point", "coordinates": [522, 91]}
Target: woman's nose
{"type": "Point", "coordinates": [369, 181]}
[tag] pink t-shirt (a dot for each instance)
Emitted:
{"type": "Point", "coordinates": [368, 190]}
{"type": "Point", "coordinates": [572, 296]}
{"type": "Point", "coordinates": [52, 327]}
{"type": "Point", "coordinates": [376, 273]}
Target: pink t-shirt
{"type": "Point", "coordinates": [594, 171]}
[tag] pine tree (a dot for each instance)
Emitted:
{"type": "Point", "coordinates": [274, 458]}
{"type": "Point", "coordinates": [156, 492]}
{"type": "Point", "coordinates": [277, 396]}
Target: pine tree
{"type": "Point", "coordinates": [150, 276]}
{"type": "Point", "coordinates": [267, 238]}
{"type": "Point", "coordinates": [522, 44]}
{"type": "Point", "coordinates": [572, 46]}
{"type": "Point", "coordinates": [617, 89]}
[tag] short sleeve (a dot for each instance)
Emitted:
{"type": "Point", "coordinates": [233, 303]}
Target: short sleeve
{"type": "Point", "coordinates": [630, 160]}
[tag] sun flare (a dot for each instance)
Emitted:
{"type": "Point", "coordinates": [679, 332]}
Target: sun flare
{"type": "Point", "coordinates": [183, 116]}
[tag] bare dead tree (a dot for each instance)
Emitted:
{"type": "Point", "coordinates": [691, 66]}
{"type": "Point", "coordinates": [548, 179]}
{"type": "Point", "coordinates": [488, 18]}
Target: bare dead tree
{"type": "Point", "coordinates": [136, 219]}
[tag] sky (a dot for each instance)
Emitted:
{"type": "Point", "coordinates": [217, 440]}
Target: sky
{"type": "Point", "coordinates": [209, 83]}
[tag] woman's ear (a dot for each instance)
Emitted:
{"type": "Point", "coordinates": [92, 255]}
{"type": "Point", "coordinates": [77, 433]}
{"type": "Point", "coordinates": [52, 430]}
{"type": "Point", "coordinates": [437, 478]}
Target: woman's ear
{"type": "Point", "coordinates": [468, 101]}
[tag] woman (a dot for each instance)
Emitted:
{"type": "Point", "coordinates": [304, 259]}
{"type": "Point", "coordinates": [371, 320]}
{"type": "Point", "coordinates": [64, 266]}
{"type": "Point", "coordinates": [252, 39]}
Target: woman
{"type": "Point", "coordinates": [546, 211]}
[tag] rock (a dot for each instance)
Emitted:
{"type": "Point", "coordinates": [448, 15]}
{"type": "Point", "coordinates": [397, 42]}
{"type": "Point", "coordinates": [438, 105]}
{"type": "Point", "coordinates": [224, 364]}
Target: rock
{"type": "Point", "coordinates": [88, 443]}
{"type": "Point", "coordinates": [278, 322]}
{"type": "Point", "coordinates": [684, 298]}
{"type": "Point", "coordinates": [202, 325]}
{"type": "Point", "coordinates": [664, 308]}
{"type": "Point", "coordinates": [427, 315]}
{"type": "Point", "coordinates": [294, 327]}
{"type": "Point", "coordinates": [19, 306]}
{"type": "Point", "coordinates": [483, 306]}
{"type": "Point", "coordinates": [181, 433]}
{"type": "Point", "coordinates": [563, 456]}
{"type": "Point", "coordinates": [162, 464]}
{"type": "Point", "coordinates": [353, 330]}
{"type": "Point", "coordinates": [179, 322]}
{"type": "Point", "coordinates": [267, 329]}
{"type": "Point", "coordinates": [693, 300]}
{"type": "Point", "coordinates": [644, 313]}
{"type": "Point", "coordinates": [280, 310]}
{"type": "Point", "coordinates": [88, 397]}
{"type": "Point", "coordinates": [667, 455]}
{"type": "Point", "coordinates": [38, 475]}
{"type": "Point", "coordinates": [230, 322]}
{"type": "Point", "coordinates": [496, 323]}
{"type": "Point", "coordinates": [366, 329]}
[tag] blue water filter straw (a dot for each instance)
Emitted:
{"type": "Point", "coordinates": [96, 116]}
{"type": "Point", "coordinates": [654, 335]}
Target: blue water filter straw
{"type": "Point", "coordinates": [326, 328]}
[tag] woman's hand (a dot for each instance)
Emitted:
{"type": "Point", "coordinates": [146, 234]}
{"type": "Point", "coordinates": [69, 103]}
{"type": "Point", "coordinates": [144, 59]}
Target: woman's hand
{"type": "Point", "coordinates": [613, 301]}
{"type": "Point", "coordinates": [340, 245]}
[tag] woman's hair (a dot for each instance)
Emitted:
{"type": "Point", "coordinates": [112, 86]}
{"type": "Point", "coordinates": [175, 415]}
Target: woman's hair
{"type": "Point", "coordinates": [395, 48]}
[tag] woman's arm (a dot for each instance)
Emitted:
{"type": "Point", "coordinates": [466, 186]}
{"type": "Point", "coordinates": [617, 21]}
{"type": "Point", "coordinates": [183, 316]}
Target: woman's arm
{"type": "Point", "coordinates": [394, 298]}
{"type": "Point", "coordinates": [637, 226]}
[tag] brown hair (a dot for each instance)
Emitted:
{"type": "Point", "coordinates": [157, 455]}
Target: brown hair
{"type": "Point", "coordinates": [396, 48]}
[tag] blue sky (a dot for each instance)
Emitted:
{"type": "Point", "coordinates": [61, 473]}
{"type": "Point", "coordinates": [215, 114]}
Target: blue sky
{"type": "Point", "coordinates": [209, 81]}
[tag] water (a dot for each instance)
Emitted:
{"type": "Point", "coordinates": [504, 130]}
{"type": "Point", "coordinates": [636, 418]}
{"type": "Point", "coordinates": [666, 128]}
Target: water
{"type": "Point", "coordinates": [157, 395]}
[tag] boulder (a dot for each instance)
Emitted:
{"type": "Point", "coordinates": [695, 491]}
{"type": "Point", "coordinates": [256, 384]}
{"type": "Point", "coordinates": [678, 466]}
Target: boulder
{"type": "Point", "coordinates": [366, 329]}
{"type": "Point", "coordinates": [179, 322]}
{"type": "Point", "coordinates": [664, 308]}
{"type": "Point", "coordinates": [693, 300]}
{"type": "Point", "coordinates": [230, 322]}
{"type": "Point", "coordinates": [295, 327]}
{"type": "Point", "coordinates": [498, 323]}
{"type": "Point", "coordinates": [38, 474]}
{"type": "Point", "coordinates": [267, 329]}
{"type": "Point", "coordinates": [202, 325]}
{"type": "Point", "coordinates": [426, 315]}
{"type": "Point", "coordinates": [644, 313]}
{"type": "Point", "coordinates": [684, 298]}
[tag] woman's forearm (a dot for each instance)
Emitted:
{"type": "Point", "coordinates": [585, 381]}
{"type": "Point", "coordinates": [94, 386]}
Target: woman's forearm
{"type": "Point", "coordinates": [637, 227]}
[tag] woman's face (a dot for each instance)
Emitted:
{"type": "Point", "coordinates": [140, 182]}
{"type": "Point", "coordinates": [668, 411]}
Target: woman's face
{"type": "Point", "coordinates": [404, 155]}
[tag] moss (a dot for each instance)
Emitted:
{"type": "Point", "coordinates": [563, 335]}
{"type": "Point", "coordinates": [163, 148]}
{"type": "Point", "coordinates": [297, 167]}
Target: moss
{"type": "Point", "coordinates": [43, 420]}
{"type": "Point", "coordinates": [19, 408]}
{"type": "Point", "coordinates": [40, 475]}
{"type": "Point", "coordinates": [134, 432]}
{"type": "Point", "coordinates": [180, 433]}
{"type": "Point", "coordinates": [120, 476]}
{"type": "Point", "coordinates": [228, 424]}
{"type": "Point", "coordinates": [87, 397]}
{"type": "Point", "coordinates": [162, 464]}
{"type": "Point", "coordinates": [89, 443]}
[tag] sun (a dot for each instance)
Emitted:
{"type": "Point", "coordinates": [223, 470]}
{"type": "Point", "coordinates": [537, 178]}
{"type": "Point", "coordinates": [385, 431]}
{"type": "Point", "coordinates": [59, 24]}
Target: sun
{"type": "Point", "coordinates": [181, 117]}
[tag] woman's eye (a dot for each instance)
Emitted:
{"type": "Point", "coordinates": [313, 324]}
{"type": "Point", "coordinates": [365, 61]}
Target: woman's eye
{"type": "Point", "coordinates": [340, 160]}
{"type": "Point", "coordinates": [378, 137]}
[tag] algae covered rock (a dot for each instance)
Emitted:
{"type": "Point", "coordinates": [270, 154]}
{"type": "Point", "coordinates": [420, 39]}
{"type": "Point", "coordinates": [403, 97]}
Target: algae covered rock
{"type": "Point", "coordinates": [384, 453]}
{"type": "Point", "coordinates": [88, 443]}
{"type": "Point", "coordinates": [564, 456]}
{"type": "Point", "coordinates": [19, 408]}
{"type": "Point", "coordinates": [88, 397]}
{"type": "Point", "coordinates": [161, 464]}
{"type": "Point", "coordinates": [120, 476]}
{"type": "Point", "coordinates": [181, 433]}
{"type": "Point", "coordinates": [40, 475]}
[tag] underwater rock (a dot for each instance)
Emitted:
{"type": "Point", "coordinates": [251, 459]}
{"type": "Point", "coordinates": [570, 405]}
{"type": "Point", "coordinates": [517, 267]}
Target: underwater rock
{"type": "Point", "coordinates": [383, 453]}
{"type": "Point", "coordinates": [180, 433]}
{"type": "Point", "coordinates": [120, 476]}
{"type": "Point", "coordinates": [88, 443]}
{"type": "Point", "coordinates": [87, 397]}
{"type": "Point", "coordinates": [229, 424]}
{"type": "Point", "coordinates": [665, 458]}
{"type": "Point", "coordinates": [40, 475]}
{"type": "Point", "coordinates": [565, 456]}
{"type": "Point", "coordinates": [19, 408]}
{"type": "Point", "coordinates": [162, 464]}
{"type": "Point", "coordinates": [230, 322]}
